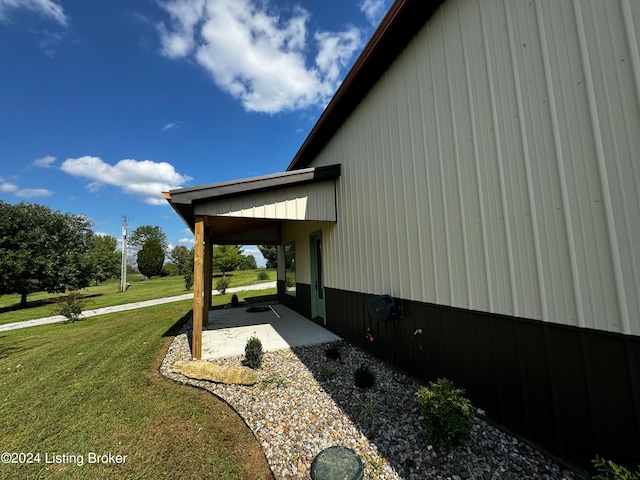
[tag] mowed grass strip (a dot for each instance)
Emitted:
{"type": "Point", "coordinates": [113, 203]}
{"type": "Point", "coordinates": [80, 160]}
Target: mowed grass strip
{"type": "Point", "coordinates": [107, 294]}
{"type": "Point", "coordinates": [94, 386]}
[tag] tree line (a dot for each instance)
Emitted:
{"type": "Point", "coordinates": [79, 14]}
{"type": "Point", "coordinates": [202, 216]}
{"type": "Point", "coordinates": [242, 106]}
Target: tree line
{"type": "Point", "coordinates": [55, 252]}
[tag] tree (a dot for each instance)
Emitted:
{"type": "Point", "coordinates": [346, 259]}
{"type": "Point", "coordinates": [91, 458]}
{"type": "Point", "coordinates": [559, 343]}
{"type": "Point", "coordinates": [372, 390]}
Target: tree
{"type": "Point", "coordinates": [226, 257]}
{"type": "Point", "coordinates": [141, 234]}
{"type": "Point", "coordinates": [270, 254]}
{"type": "Point", "coordinates": [43, 250]}
{"type": "Point", "coordinates": [180, 257]}
{"type": "Point", "coordinates": [151, 258]}
{"type": "Point", "coordinates": [247, 262]}
{"type": "Point", "coordinates": [105, 259]}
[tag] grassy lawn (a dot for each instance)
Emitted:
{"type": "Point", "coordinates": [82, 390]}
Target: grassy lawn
{"type": "Point", "coordinates": [107, 294]}
{"type": "Point", "coordinates": [94, 386]}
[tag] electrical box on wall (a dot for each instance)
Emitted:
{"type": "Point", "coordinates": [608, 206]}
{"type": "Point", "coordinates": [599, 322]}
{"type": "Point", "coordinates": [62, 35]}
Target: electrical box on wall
{"type": "Point", "coordinates": [384, 307]}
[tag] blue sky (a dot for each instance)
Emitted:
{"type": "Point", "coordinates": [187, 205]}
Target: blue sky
{"type": "Point", "coordinates": [104, 105]}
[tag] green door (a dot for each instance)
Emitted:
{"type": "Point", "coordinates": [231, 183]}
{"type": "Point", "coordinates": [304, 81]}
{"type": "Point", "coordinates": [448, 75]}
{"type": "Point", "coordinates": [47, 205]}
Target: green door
{"type": "Point", "coordinates": [317, 279]}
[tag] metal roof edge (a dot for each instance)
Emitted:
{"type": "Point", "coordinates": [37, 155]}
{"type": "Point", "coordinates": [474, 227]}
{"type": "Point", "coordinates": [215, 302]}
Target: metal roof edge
{"type": "Point", "coordinates": [248, 185]}
{"type": "Point", "coordinates": [402, 22]}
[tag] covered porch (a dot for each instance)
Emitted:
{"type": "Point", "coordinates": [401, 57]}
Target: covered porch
{"type": "Point", "coordinates": [249, 211]}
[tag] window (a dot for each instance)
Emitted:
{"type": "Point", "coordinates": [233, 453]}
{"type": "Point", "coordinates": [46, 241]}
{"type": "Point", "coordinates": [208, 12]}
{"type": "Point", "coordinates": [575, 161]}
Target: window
{"type": "Point", "coordinates": [290, 268]}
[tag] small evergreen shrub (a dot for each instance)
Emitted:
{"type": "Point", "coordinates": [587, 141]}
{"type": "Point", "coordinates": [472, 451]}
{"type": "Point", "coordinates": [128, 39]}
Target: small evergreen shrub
{"type": "Point", "coordinates": [263, 275]}
{"type": "Point", "coordinates": [234, 300]}
{"type": "Point", "coordinates": [70, 306]}
{"type": "Point", "coordinates": [188, 280]}
{"type": "Point", "coordinates": [612, 471]}
{"type": "Point", "coordinates": [253, 353]}
{"type": "Point", "coordinates": [447, 414]}
{"type": "Point", "coordinates": [222, 284]}
{"type": "Point", "coordinates": [364, 377]}
{"type": "Point", "coordinates": [329, 373]}
{"type": "Point", "coordinates": [332, 352]}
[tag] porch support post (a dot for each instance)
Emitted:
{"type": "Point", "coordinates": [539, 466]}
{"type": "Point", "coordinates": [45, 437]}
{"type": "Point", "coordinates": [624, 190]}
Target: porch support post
{"type": "Point", "coordinates": [198, 288]}
{"type": "Point", "coordinates": [208, 275]}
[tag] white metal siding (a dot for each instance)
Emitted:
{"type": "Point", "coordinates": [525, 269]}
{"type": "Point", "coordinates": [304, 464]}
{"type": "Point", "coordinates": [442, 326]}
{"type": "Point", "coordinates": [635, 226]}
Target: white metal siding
{"type": "Point", "coordinates": [496, 166]}
{"type": "Point", "coordinates": [305, 202]}
{"type": "Point", "coordinates": [299, 233]}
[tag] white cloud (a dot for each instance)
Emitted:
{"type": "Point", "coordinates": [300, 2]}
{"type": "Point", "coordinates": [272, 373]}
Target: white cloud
{"type": "Point", "coordinates": [255, 55]}
{"type": "Point", "coordinates": [44, 162]}
{"type": "Point", "coordinates": [46, 8]}
{"type": "Point", "coordinates": [374, 10]}
{"type": "Point", "coordinates": [6, 187]}
{"type": "Point", "coordinates": [171, 125]}
{"type": "Point", "coordinates": [144, 178]}
{"type": "Point", "coordinates": [187, 240]}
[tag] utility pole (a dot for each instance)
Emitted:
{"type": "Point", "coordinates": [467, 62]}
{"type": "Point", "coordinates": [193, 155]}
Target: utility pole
{"type": "Point", "coordinates": [123, 269]}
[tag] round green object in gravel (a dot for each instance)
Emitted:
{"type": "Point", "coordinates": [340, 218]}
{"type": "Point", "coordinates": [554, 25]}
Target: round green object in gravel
{"type": "Point", "coordinates": [337, 463]}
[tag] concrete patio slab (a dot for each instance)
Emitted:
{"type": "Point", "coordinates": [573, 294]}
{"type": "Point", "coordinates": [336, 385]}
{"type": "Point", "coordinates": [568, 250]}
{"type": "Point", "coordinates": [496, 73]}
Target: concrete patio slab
{"type": "Point", "coordinates": [277, 328]}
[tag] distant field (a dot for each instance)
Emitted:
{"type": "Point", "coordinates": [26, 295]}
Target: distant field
{"type": "Point", "coordinates": [107, 294]}
{"type": "Point", "coordinates": [93, 387]}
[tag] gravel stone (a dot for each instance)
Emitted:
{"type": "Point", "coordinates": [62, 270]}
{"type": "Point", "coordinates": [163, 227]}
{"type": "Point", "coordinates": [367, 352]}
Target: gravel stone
{"type": "Point", "coordinates": [304, 402]}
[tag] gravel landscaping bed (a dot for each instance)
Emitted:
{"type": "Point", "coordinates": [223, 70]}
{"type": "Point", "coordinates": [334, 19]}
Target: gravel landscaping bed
{"type": "Point", "coordinates": [305, 402]}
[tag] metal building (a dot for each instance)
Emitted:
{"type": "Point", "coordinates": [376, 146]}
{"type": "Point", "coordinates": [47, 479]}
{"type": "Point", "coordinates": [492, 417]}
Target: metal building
{"type": "Point", "coordinates": [480, 164]}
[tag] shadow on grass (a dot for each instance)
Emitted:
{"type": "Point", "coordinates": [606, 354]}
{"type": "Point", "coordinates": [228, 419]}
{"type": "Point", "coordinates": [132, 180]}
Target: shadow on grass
{"type": "Point", "coordinates": [7, 350]}
{"type": "Point", "coordinates": [41, 302]}
{"type": "Point", "coordinates": [178, 326]}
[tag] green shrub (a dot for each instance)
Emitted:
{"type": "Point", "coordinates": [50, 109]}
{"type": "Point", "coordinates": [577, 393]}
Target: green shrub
{"type": "Point", "coordinates": [332, 352]}
{"type": "Point", "coordinates": [253, 353]}
{"type": "Point", "coordinates": [263, 275]}
{"type": "Point", "coordinates": [368, 409]}
{"type": "Point", "coordinates": [290, 279]}
{"type": "Point", "coordinates": [329, 373]}
{"type": "Point", "coordinates": [188, 280]}
{"type": "Point", "coordinates": [70, 306]}
{"type": "Point", "coordinates": [612, 471]}
{"type": "Point", "coordinates": [364, 377]}
{"type": "Point", "coordinates": [447, 414]}
{"type": "Point", "coordinates": [274, 380]}
{"type": "Point", "coordinates": [222, 284]}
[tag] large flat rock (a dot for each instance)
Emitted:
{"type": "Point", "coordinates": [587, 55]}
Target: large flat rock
{"type": "Point", "coordinates": [203, 370]}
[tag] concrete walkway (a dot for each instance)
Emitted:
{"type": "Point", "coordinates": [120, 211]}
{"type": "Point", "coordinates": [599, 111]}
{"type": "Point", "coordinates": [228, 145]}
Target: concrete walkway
{"type": "Point", "coordinates": [277, 328]}
{"type": "Point", "coordinates": [128, 306]}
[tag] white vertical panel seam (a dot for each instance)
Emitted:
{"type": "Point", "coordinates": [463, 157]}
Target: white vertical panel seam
{"type": "Point", "coordinates": [406, 240]}
{"type": "Point", "coordinates": [429, 199]}
{"type": "Point", "coordinates": [357, 212]}
{"type": "Point", "coordinates": [371, 182]}
{"type": "Point", "coordinates": [604, 180]}
{"type": "Point", "coordinates": [616, 150]}
{"type": "Point", "coordinates": [375, 176]}
{"type": "Point", "coordinates": [555, 128]}
{"type": "Point", "coordinates": [463, 219]}
{"type": "Point", "coordinates": [421, 265]}
{"type": "Point", "coordinates": [390, 202]}
{"type": "Point", "coordinates": [503, 191]}
{"type": "Point", "coordinates": [443, 185]}
{"type": "Point", "coordinates": [632, 44]}
{"type": "Point", "coordinates": [527, 164]}
{"type": "Point", "coordinates": [476, 155]}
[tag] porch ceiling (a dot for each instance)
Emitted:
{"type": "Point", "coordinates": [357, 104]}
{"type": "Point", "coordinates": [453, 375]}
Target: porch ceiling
{"type": "Point", "coordinates": [242, 231]}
